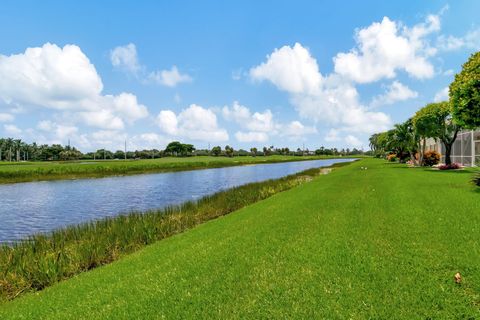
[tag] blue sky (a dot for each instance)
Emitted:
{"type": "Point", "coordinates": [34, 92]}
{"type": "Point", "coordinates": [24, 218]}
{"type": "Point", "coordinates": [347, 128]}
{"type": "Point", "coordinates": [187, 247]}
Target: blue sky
{"type": "Point", "coordinates": [251, 73]}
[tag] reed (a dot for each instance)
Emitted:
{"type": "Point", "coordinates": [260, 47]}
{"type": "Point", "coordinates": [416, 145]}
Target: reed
{"type": "Point", "coordinates": [44, 259]}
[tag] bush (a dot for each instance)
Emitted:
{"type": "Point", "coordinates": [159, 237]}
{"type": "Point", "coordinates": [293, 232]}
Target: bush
{"type": "Point", "coordinates": [476, 180]}
{"type": "Point", "coordinates": [431, 158]}
{"type": "Point", "coordinates": [392, 157]}
{"type": "Point", "coordinates": [451, 166]}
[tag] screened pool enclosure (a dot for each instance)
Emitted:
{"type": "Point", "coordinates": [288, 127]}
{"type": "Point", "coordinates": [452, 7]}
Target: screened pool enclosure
{"type": "Point", "coordinates": [466, 149]}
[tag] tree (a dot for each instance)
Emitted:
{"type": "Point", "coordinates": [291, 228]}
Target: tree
{"type": "Point", "coordinates": [174, 148]}
{"type": "Point", "coordinates": [465, 94]}
{"type": "Point", "coordinates": [412, 141]}
{"type": "Point", "coordinates": [265, 151]}
{"type": "Point", "coordinates": [216, 151]}
{"type": "Point", "coordinates": [119, 154]}
{"type": "Point", "coordinates": [2, 146]}
{"type": "Point", "coordinates": [403, 140]}
{"type": "Point", "coordinates": [187, 148]}
{"type": "Point", "coordinates": [104, 154]}
{"type": "Point", "coordinates": [254, 151]}
{"type": "Point", "coordinates": [72, 154]}
{"type": "Point", "coordinates": [229, 151]}
{"type": "Point", "coordinates": [373, 142]}
{"type": "Point", "coordinates": [435, 121]}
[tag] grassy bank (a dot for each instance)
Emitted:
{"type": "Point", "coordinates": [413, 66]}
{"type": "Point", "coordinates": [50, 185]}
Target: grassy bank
{"type": "Point", "coordinates": [42, 260]}
{"type": "Point", "coordinates": [380, 243]}
{"type": "Point", "coordinates": [33, 171]}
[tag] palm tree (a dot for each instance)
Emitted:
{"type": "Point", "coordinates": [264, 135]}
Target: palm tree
{"type": "Point", "coordinates": [405, 141]}
{"type": "Point", "coordinates": [8, 146]}
{"type": "Point", "coordinates": [17, 144]}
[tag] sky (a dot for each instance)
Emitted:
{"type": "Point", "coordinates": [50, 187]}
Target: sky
{"type": "Point", "coordinates": [245, 73]}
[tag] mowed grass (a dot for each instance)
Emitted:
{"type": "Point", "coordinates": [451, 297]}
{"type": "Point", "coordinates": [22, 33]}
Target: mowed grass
{"type": "Point", "coordinates": [380, 243]}
{"type": "Point", "coordinates": [11, 172]}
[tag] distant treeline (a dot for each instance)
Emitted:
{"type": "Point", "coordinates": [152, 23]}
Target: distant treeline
{"type": "Point", "coordinates": [18, 150]}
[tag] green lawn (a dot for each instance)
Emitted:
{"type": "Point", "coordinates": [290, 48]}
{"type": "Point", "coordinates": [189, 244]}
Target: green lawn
{"type": "Point", "coordinates": [378, 243]}
{"type": "Point", "coordinates": [54, 170]}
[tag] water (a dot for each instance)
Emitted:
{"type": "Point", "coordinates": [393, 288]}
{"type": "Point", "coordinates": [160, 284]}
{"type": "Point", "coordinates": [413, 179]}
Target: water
{"type": "Point", "coordinates": [33, 207]}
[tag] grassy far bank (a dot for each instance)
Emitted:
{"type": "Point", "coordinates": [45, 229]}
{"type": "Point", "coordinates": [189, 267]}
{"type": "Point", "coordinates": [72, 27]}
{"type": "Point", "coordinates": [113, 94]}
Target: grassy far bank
{"type": "Point", "coordinates": [378, 243]}
{"type": "Point", "coordinates": [33, 171]}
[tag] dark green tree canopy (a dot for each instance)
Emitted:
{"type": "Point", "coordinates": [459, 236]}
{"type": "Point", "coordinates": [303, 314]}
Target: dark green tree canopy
{"type": "Point", "coordinates": [465, 94]}
{"type": "Point", "coordinates": [178, 148]}
{"type": "Point", "coordinates": [216, 151]}
{"type": "Point", "coordinates": [432, 120]}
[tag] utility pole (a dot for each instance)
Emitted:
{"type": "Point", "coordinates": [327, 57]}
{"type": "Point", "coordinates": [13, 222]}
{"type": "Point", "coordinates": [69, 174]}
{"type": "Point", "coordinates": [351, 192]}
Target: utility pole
{"type": "Point", "coordinates": [125, 149]}
{"type": "Point", "coordinates": [104, 154]}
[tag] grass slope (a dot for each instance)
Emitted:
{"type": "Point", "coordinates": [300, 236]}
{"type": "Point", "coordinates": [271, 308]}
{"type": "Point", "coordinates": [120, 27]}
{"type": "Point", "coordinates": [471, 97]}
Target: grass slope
{"type": "Point", "coordinates": [378, 243]}
{"type": "Point", "coordinates": [33, 171]}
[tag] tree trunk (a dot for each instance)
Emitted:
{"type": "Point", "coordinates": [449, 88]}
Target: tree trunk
{"type": "Point", "coordinates": [414, 160]}
{"type": "Point", "coordinates": [421, 151]}
{"type": "Point", "coordinates": [448, 151]}
{"type": "Point", "coordinates": [448, 142]}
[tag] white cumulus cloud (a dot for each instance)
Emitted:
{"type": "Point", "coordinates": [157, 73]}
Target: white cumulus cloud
{"type": "Point", "coordinates": [194, 123]}
{"type": "Point", "coordinates": [125, 57]}
{"type": "Point", "coordinates": [65, 80]}
{"type": "Point", "coordinates": [251, 136]}
{"type": "Point", "coordinates": [387, 46]}
{"type": "Point", "coordinates": [331, 99]}
{"type": "Point", "coordinates": [441, 95]}
{"type": "Point", "coordinates": [257, 121]}
{"type": "Point", "coordinates": [291, 69]}
{"type": "Point", "coordinates": [296, 129]}
{"type": "Point", "coordinates": [6, 117]}
{"type": "Point", "coordinates": [58, 131]}
{"type": "Point", "coordinates": [169, 78]}
{"type": "Point", "coordinates": [12, 130]}
{"type": "Point", "coordinates": [395, 92]}
{"type": "Point", "coordinates": [471, 40]}
{"type": "Point", "coordinates": [353, 141]}
{"type": "Point", "coordinates": [260, 126]}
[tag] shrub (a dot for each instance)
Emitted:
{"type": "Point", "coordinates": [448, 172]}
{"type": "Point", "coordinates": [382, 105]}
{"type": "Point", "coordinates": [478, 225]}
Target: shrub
{"type": "Point", "coordinates": [451, 166]}
{"type": "Point", "coordinates": [392, 157]}
{"type": "Point", "coordinates": [476, 180]}
{"type": "Point", "coordinates": [431, 158]}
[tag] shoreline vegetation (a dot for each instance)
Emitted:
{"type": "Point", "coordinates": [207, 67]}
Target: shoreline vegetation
{"type": "Point", "coordinates": [44, 171]}
{"type": "Point", "coordinates": [44, 259]}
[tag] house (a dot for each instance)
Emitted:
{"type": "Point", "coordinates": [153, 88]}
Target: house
{"type": "Point", "coordinates": [465, 151]}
